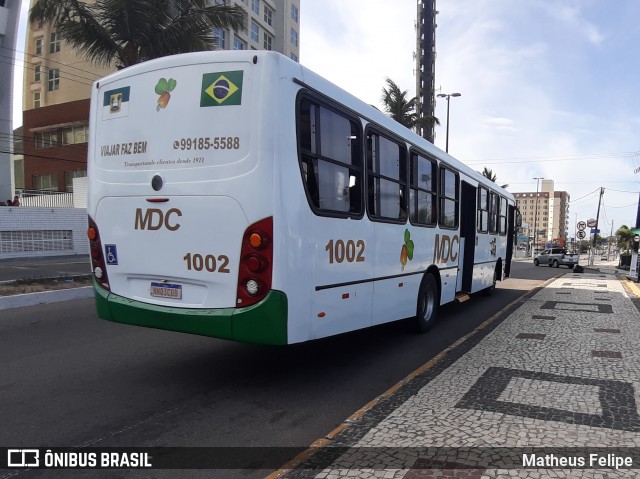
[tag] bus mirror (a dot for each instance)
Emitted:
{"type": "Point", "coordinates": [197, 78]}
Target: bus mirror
{"type": "Point", "coordinates": [518, 219]}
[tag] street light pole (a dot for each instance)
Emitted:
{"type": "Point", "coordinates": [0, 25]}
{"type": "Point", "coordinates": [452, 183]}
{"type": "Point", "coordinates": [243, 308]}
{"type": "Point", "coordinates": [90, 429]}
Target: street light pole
{"type": "Point", "coordinates": [535, 219]}
{"type": "Point", "coordinates": [448, 97]}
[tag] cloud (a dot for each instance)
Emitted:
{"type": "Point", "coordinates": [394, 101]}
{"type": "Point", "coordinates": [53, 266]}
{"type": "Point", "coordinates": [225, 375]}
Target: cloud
{"type": "Point", "coordinates": [357, 44]}
{"type": "Point", "coordinates": [571, 17]}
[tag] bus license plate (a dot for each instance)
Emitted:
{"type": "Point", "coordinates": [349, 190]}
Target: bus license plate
{"type": "Point", "coordinates": [166, 290]}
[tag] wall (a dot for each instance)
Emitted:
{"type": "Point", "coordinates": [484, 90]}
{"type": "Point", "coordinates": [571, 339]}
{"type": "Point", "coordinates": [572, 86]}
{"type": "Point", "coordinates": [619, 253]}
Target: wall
{"type": "Point", "coordinates": [29, 232]}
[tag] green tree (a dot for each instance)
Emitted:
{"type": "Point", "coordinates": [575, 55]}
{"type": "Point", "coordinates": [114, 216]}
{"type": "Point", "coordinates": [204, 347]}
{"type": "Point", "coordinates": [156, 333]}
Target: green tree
{"type": "Point", "coordinates": [125, 32]}
{"type": "Point", "coordinates": [625, 237]}
{"type": "Point", "coordinates": [488, 173]}
{"type": "Point", "coordinates": [403, 109]}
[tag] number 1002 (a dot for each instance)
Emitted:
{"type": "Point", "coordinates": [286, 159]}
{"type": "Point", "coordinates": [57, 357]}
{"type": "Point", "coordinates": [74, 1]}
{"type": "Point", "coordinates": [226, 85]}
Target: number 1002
{"type": "Point", "coordinates": [351, 251]}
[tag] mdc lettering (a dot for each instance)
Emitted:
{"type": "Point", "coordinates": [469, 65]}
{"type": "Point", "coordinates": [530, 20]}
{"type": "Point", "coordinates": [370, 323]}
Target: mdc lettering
{"type": "Point", "coordinates": [444, 250]}
{"type": "Point", "coordinates": [153, 219]}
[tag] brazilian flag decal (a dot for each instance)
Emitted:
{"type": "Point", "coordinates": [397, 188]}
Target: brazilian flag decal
{"type": "Point", "coordinates": [221, 89]}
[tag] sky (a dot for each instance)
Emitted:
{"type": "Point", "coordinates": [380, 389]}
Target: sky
{"type": "Point", "coordinates": [549, 88]}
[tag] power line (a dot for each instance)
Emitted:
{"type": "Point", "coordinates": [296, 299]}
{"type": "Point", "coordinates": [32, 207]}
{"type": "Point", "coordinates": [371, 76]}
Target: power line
{"type": "Point", "coordinates": [30, 139]}
{"type": "Point", "coordinates": [533, 159]}
{"type": "Point", "coordinates": [49, 60]}
{"type": "Point", "coordinates": [51, 158]}
{"type": "Point", "coordinates": [65, 77]}
{"type": "Point", "coordinates": [582, 197]}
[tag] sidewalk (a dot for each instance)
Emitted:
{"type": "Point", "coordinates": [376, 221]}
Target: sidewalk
{"type": "Point", "coordinates": [557, 371]}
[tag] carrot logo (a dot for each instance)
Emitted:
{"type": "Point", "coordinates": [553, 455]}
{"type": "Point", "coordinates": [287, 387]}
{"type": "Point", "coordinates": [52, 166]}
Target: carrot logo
{"type": "Point", "coordinates": [164, 89]}
{"type": "Point", "coordinates": [406, 253]}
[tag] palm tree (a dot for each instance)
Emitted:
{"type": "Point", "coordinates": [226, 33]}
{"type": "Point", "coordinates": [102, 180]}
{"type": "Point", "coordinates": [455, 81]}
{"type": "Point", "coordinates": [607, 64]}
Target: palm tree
{"type": "Point", "coordinates": [403, 109]}
{"type": "Point", "coordinates": [126, 32]}
{"type": "Point", "coordinates": [488, 173]}
{"type": "Point", "coordinates": [625, 236]}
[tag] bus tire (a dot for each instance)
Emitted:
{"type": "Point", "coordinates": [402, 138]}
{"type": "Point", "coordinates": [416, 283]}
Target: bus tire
{"type": "Point", "coordinates": [489, 291]}
{"type": "Point", "coordinates": [427, 308]}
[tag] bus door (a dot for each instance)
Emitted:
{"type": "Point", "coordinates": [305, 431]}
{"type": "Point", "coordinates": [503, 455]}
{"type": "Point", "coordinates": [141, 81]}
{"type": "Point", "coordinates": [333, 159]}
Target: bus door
{"type": "Point", "coordinates": [511, 230]}
{"type": "Point", "coordinates": [467, 235]}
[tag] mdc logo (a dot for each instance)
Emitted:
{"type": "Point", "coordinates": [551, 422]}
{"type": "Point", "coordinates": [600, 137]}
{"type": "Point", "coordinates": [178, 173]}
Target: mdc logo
{"type": "Point", "coordinates": [446, 248]}
{"type": "Point", "coordinates": [153, 219]}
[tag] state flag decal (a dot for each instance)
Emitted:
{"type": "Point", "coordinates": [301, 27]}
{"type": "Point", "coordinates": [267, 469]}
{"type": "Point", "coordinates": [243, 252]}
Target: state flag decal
{"type": "Point", "coordinates": [221, 89]}
{"type": "Point", "coordinates": [116, 103]}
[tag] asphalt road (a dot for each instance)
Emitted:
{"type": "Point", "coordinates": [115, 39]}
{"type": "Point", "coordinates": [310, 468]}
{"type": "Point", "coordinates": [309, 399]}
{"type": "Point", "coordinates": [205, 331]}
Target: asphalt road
{"type": "Point", "coordinates": [44, 267]}
{"type": "Point", "coordinates": [70, 379]}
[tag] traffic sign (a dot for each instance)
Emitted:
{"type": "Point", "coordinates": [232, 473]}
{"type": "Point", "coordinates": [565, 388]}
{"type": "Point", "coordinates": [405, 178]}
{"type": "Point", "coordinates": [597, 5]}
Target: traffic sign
{"type": "Point", "coordinates": [582, 225]}
{"type": "Point", "coordinates": [581, 234]}
{"type": "Point", "coordinates": [592, 223]}
{"type": "Point", "coordinates": [594, 231]}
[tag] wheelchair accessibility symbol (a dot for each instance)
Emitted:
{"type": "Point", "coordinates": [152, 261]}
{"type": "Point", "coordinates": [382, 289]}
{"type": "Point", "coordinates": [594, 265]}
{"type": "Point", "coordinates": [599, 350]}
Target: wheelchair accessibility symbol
{"type": "Point", "coordinates": [111, 252]}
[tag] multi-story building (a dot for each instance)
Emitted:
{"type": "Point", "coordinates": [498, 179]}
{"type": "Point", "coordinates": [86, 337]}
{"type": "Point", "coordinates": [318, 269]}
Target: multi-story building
{"type": "Point", "coordinates": [426, 63]}
{"type": "Point", "coordinates": [9, 15]}
{"type": "Point", "coordinates": [57, 88]}
{"type": "Point", "coordinates": [271, 25]}
{"type": "Point", "coordinates": [545, 215]}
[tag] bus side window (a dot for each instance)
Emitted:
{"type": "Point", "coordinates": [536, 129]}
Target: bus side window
{"type": "Point", "coordinates": [493, 213]}
{"type": "Point", "coordinates": [330, 159]}
{"type": "Point", "coordinates": [423, 190]}
{"type": "Point", "coordinates": [387, 178]}
{"type": "Point", "coordinates": [502, 217]}
{"type": "Point", "coordinates": [449, 193]}
{"type": "Point", "coordinates": [483, 210]}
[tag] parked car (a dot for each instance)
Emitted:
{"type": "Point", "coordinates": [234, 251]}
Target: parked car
{"type": "Point", "coordinates": [556, 257]}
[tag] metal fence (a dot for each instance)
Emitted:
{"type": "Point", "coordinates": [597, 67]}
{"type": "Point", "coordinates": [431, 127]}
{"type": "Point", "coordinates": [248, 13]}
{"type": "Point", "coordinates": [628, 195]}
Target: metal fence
{"type": "Point", "coordinates": [58, 200]}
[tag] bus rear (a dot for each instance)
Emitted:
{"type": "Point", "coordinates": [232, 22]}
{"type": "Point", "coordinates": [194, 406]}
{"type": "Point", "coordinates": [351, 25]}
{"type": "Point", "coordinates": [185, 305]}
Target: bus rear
{"type": "Point", "coordinates": [181, 197]}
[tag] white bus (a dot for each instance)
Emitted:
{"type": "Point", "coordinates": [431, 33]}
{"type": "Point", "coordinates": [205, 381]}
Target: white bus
{"type": "Point", "coordinates": [238, 195]}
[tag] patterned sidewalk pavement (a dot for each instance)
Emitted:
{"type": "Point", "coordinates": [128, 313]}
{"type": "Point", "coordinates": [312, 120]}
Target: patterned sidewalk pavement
{"type": "Point", "coordinates": [548, 388]}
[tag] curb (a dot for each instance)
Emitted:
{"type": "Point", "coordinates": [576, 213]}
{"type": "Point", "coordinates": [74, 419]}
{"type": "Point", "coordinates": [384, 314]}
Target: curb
{"type": "Point", "coordinates": [45, 297]}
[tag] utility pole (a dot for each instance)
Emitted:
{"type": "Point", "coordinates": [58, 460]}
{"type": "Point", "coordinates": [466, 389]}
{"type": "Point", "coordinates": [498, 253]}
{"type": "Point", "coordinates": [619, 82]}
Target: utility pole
{"type": "Point", "coordinates": [610, 240]}
{"type": "Point", "coordinates": [593, 247]}
{"type": "Point", "coordinates": [638, 214]}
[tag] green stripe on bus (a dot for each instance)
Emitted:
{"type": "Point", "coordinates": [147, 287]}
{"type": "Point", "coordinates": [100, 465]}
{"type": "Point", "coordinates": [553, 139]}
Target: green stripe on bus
{"type": "Point", "coordinates": [263, 323]}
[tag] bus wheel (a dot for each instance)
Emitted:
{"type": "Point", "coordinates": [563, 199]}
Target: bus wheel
{"type": "Point", "coordinates": [489, 291]}
{"type": "Point", "coordinates": [427, 309]}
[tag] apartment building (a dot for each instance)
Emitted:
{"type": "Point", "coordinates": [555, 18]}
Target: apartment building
{"type": "Point", "coordinates": [57, 89]}
{"type": "Point", "coordinates": [546, 212]}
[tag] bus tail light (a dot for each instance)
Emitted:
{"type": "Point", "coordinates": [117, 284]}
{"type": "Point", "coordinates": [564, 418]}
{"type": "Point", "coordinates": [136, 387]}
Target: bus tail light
{"type": "Point", "coordinates": [256, 256]}
{"type": "Point", "coordinates": [97, 256]}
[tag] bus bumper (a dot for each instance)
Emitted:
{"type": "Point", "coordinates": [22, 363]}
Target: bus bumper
{"type": "Point", "coordinates": [263, 323]}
